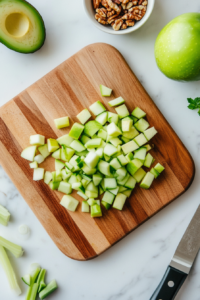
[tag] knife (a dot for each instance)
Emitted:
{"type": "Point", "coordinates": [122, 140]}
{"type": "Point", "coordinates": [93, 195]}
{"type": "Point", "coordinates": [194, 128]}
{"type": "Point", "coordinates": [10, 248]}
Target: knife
{"type": "Point", "coordinates": [181, 262]}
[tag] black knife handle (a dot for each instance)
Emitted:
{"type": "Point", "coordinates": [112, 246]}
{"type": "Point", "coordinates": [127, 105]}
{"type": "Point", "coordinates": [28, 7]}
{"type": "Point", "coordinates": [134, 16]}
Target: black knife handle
{"type": "Point", "coordinates": [169, 285]}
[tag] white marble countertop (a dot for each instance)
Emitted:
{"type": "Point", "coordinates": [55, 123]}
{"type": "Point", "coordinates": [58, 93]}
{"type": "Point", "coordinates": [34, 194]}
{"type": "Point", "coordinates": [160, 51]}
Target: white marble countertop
{"type": "Point", "coordinates": [132, 269]}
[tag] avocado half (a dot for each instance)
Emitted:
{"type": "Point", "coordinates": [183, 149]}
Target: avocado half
{"type": "Point", "coordinates": [21, 26]}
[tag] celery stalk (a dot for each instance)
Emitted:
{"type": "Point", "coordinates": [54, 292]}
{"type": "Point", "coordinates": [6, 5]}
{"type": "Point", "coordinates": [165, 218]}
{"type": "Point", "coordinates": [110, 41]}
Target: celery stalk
{"type": "Point", "coordinates": [35, 270]}
{"type": "Point", "coordinates": [16, 250]}
{"type": "Point", "coordinates": [6, 265]}
{"type": "Point", "coordinates": [52, 286]}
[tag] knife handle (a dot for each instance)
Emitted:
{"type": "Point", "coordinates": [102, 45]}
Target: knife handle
{"type": "Point", "coordinates": [169, 285]}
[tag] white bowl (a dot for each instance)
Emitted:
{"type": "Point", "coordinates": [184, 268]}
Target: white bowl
{"type": "Point", "coordinates": [107, 28]}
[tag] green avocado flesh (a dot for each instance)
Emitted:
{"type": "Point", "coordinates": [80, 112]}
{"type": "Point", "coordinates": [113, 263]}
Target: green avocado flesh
{"type": "Point", "coordinates": [21, 26]}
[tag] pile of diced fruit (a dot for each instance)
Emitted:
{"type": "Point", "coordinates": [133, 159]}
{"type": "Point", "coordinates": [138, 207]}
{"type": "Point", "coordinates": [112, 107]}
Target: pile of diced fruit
{"type": "Point", "coordinates": [104, 156]}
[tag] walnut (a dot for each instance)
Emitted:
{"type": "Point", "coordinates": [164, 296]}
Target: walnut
{"type": "Point", "coordinates": [104, 3]}
{"type": "Point", "coordinates": [114, 6]}
{"type": "Point", "coordinates": [129, 5]}
{"type": "Point", "coordinates": [145, 3]}
{"type": "Point", "coordinates": [128, 16]}
{"type": "Point", "coordinates": [135, 2]}
{"type": "Point", "coordinates": [97, 17]}
{"type": "Point", "coordinates": [117, 24]}
{"type": "Point", "coordinates": [130, 23]}
{"type": "Point", "coordinates": [124, 26]}
{"type": "Point", "coordinates": [138, 12]}
{"type": "Point", "coordinates": [116, 2]}
{"type": "Point", "coordinates": [96, 3]}
{"type": "Point", "coordinates": [110, 13]}
{"type": "Point", "coordinates": [102, 12]}
{"type": "Point", "coordinates": [124, 1]}
{"type": "Point", "coordinates": [123, 6]}
{"type": "Point", "coordinates": [113, 18]}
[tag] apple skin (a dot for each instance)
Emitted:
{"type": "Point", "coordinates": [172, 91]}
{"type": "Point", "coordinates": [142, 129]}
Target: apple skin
{"type": "Point", "coordinates": [177, 48]}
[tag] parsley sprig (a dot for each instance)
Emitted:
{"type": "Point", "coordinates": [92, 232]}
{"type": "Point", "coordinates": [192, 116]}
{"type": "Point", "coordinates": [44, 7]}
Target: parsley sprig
{"type": "Point", "coordinates": [194, 104]}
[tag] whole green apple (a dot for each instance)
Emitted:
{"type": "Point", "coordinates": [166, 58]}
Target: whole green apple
{"type": "Point", "coordinates": [177, 48]}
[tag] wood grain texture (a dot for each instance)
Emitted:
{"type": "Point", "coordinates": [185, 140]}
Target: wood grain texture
{"type": "Point", "coordinates": [71, 87]}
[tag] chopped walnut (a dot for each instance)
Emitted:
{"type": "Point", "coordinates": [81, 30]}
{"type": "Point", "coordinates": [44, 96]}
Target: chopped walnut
{"type": "Point", "coordinates": [117, 25]}
{"type": "Point", "coordinates": [96, 3]}
{"type": "Point", "coordinates": [116, 2]}
{"type": "Point", "coordinates": [102, 12]}
{"type": "Point", "coordinates": [130, 23]}
{"type": "Point", "coordinates": [129, 5]}
{"type": "Point", "coordinates": [144, 3]}
{"type": "Point", "coordinates": [123, 6]}
{"type": "Point", "coordinates": [113, 18]}
{"type": "Point", "coordinates": [128, 16]}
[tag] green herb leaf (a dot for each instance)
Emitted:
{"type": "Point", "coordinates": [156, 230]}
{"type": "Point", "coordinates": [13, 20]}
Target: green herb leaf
{"type": "Point", "coordinates": [194, 104]}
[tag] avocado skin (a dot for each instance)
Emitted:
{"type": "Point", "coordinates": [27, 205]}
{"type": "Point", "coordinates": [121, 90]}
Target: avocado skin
{"type": "Point", "coordinates": [42, 27]}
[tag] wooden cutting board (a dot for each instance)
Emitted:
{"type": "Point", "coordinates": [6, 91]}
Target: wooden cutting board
{"type": "Point", "coordinates": [71, 87]}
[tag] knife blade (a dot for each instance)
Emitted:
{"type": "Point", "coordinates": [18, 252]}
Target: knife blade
{"type": "Point", "coordinates": [181, 262]}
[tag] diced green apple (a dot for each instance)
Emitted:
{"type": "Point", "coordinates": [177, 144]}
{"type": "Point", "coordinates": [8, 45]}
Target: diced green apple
{"type": "Point", "coordinates": [140, 140]}
{"type": "Point", "coordinates": [127, 124]}
{"type": "Point", "coordinates": [59, 165]}
{"type": "Point", "coordinates": [150, 133]}
{"type": "Point", "coordinates": [65, 187]}
{"type": "Point", "coordinates": [37, 139]}
{"type": "Point", "coordinates": [148, 160]}
{"type": "Point", "coordinates": [102, 118]}
{"type": "Point", "coordinates": [141, 125]}
{"type": "Point", "coordinates": [92, 160]}
{"type": "Point", "coordinates": [110, 150]}
{"type": "Point", "coordinates": [122, 111]}
{"type": "Point", "coordinates": [62, 122]}
{"type": "Point", "coordinates": [76, 131]}
{"type": "Point", "coordinates": [52, 145]}
{"type": "Point", "coordinates": [131, 182]}
{"type": "Point", "coordinates": [94, 143]}
{"type": "Point", "coordinates": [116, 102]}
{"type": "Point", "coordinates": [119, 201]}
{"type": "Point", "coordinates": [65, 140]}
{"type": "Point", "coordinates": [105, 91]}
{"type": "Point", "coordinates": [113, 118]}
{"type": "Point", "coordinates": [38, 174]}
{"type": "Point", "coordinates": [129, 147]}
{"type": "Point", "coordinates": [131, 134]}
{"type": "Point", "coordinates": [139, 175]}
{"type": "Point", "coordinates": [140, 153]}
{"type": "Point", "coordinates": [96, 211]}
{"type": "Point", "coordinates": [133, 166]}
{"type": "Point", "coordinates": [159, 168]}
{"type": "Point", "coordinates": [113, 130]}
{"type": "Point", "coordinates": [69, 202]}
{"type": "Point", "coordinates": [84, 116]}
{"type": "Point", "coordinates": [97, 108]}
{"type": "Point", "coordinates": [154, 172]}
{"type": "Point", "coordinates": [77, 146]}
{"type": "Point", "coordinates": [104, 167]}
{"type": "Point", "coordinates": [85, 207]}
{"type": "Point", "coordinates": [108, 197]}
{"type": "Point", "coordinates": [33, 165]}
{"type": "Point", "coordinates": [92, 127]}
{"type": "Point", "coordinates": [138, 113]}
{"type": "Point", "coordinates": [39, 158]}
{"type": "Point", "coordinates": [47, 177]}
{"type": "Point", "coordinates": [44, 150]}
{"type": "Point", "coordinates": [147, 181]}
{"type": "Point", "coordinates": [57, 154]}
{"type": "Point", "coordinates": [29, 153]}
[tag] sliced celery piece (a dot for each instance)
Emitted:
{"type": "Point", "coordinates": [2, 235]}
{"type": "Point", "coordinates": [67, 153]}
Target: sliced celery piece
{"type": "Point", "coordinates": [40, 280]}
{"type": "Point", "coordinates": [51, 287]}
{"type": "Point", "coordinates": [4, 216]}
{"type": "Point", "coordinates": [15, 249]}
{"type": "Point", "coordinates": [6, 265]}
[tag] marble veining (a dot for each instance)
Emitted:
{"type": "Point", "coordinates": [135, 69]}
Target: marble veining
{"type": "Point", "coordinates": [132, 269]}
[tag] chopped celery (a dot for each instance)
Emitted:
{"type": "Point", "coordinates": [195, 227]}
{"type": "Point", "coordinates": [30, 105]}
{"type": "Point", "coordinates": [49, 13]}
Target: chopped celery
{"type": "Point", "coordinates": [15, 249]}
{"type": "Point", "coordinates": [51, 287]}
{"type": "Point", "coordinates": [6, 265]}
{"type": "Point", "coordinates": [27, 279]}
{"type": "Point", "coordinates": [40, 280]}
{"type": "Point", "coordinates": [4, 216]}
